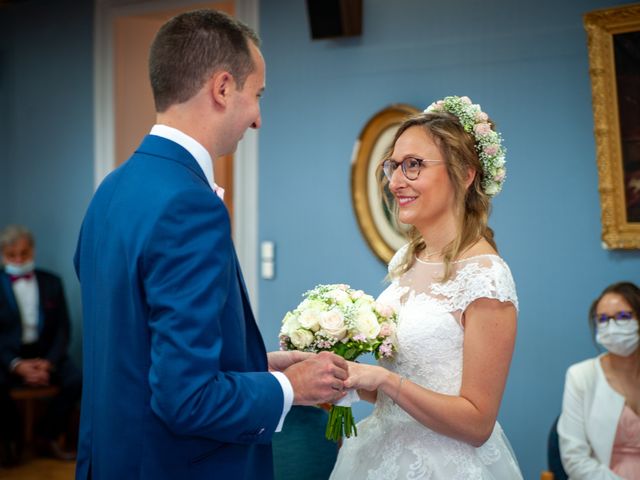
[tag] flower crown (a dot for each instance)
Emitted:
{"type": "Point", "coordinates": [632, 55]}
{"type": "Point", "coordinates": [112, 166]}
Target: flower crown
{"type": "Point", "coordinates": [488, 141]}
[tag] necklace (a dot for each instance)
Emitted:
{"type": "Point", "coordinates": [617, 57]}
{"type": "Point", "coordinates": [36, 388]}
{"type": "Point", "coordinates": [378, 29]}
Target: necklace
{"type": "Point", "coordinates": [427, 255]}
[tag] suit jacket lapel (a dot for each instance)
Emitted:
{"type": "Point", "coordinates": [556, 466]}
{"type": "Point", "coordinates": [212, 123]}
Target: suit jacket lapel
{"type": "Point", "coordinates": [8, 292]}
{"type": "Point", "coordinates": [41, 300]}
{"type": "Point", "coordinates": [165, 148]}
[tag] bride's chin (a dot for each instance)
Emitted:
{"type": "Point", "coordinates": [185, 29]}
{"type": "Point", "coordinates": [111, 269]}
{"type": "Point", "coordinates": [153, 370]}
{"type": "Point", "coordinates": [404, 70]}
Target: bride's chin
{"type": "Point", "coordinates": [404, 217]}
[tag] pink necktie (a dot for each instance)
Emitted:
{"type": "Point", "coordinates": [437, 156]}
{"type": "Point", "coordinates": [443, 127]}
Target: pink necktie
{"type": "Point", "coordinates": [219, 191]}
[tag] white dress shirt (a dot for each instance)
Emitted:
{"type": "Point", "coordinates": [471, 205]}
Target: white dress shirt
{"type": "Point", "coordinates": [26, 293]}
{"type": "Point", "coordinates": [203, 158]}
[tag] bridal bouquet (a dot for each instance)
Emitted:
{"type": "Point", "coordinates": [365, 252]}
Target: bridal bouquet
{"type": "Point", "coordinates": [344, 321]}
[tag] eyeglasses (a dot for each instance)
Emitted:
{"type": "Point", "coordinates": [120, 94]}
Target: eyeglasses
{"type": "Point", "coordinates": [410, 167]}
{"type": "Point", "coordinates": [619, 318]}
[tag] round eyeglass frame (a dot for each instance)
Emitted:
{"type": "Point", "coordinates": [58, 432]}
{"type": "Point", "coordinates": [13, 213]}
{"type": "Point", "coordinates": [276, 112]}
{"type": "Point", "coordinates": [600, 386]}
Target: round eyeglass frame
{"type": "Point", "coordinates": [389, 166]}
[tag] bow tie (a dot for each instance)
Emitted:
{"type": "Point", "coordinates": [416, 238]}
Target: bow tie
{"type": "Point", "coordinates": [25, 276]}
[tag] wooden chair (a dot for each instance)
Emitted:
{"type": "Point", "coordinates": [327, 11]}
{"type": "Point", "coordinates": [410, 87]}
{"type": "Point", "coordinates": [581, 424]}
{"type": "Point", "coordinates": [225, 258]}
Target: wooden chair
{"type": "Point", "coordinates": [28, 396]}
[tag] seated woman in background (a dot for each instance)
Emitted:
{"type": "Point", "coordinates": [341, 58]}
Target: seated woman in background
{"type": "Point", "coordinates": [599, 428]}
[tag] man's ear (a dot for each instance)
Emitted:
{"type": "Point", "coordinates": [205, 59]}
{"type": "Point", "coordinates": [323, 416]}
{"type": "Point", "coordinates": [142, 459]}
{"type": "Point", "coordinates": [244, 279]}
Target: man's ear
{"type": "Point", "coordinates": [221, 85]}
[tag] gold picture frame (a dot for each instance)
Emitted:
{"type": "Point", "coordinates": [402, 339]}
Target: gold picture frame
{"type": "Point", "coordinates": [383, 236]}
{"type": "Point", "coordinates": [613, 37]}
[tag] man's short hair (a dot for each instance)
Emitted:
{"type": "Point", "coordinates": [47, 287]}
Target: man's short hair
{"type": "Point", "coordinates": [190, 47]}
{"type": "Point", "coordinates": [12, 233]}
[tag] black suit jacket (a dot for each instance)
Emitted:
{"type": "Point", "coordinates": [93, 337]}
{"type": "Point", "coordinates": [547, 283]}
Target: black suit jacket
{"type": "Point", "coordinates": [53, 327]}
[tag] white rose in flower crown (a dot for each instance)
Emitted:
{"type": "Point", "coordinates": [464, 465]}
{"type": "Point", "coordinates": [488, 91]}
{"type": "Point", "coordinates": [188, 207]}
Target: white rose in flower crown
{"type": "Point", "coordinates": [310, 319]}
{"type": "Point", "coordinates": [332, 322]}
{"type": "Point", "coordinates": [492, 189]}
{"type": "Point", "coordinates": [301, 338]}
{"type": "Point", "coordinates": [366, 323]}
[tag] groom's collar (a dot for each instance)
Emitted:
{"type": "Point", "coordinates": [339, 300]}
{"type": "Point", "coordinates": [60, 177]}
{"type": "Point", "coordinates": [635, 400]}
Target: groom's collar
{"type": "Point", "coordinates": [197, 151]}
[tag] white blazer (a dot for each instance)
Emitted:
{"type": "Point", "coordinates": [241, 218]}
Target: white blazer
{"type": "Point", "coordinates": [587, 426]}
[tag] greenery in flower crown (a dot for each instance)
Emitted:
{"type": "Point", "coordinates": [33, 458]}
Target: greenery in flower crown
{"type": "Point", "coordinates": [488, 141]}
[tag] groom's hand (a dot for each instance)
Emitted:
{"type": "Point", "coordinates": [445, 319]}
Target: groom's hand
{"type": "Point", "coordinates": [319, 379]}
{"type": "Point", "coordinates": [280, 361]}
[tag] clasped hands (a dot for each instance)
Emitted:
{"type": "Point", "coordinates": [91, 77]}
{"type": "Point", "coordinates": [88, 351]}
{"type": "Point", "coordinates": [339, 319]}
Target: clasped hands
{"type": "Point", "coordinates": [34, 371]}
{"type": "Point", "coordinates": [323, 377]}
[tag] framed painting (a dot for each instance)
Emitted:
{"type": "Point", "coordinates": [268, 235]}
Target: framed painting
{"type": "Point", "coordinates": [614, 66]}
{"type": "Point", "coordinates": [378, 225]}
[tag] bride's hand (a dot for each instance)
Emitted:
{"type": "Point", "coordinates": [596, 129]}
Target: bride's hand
{"type": "Point", "coordinates": [280, 361]}
{"type": "Point", "coordinates": [365, 377]}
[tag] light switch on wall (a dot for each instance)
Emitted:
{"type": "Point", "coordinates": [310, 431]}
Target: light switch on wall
{"type": "Point", "coordinates": [268, 260]}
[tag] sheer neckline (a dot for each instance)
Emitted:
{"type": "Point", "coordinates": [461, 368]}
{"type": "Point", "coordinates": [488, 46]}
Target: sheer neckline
{"type": "Point", "coordinates": [425, 262]}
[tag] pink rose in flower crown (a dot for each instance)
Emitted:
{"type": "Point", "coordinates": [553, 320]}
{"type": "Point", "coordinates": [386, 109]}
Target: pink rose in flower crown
{"type": "Point", "coordinates": [466, 100]}
{"type": "Point", "coordinates": [482, 129]}
{"type": "Point", "coordinates": [491, 149]}
{"type": "Point", "coordinates": [481, 117]}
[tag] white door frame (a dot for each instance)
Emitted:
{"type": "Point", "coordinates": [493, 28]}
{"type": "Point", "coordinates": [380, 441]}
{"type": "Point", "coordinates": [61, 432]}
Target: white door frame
{"type": "Point", "coordinates": [245, 158]}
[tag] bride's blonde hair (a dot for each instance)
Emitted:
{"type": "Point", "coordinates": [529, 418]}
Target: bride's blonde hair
{"type": "Point", "coordinates": [472, 204]}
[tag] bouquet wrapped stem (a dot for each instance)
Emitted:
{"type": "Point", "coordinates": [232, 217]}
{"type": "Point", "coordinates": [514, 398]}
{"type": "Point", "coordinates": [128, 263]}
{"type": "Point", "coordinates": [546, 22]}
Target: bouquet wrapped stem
{"type": "Point", "coordinates": [341, 422]}
{"type": "Point", "coordinates": [344, 321]}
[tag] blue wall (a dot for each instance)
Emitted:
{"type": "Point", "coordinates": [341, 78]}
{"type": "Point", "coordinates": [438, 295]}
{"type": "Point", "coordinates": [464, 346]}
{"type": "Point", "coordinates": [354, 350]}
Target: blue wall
{"type": "Point", "coordinates": [5, 137]}
{"type": "Point", "coordinates": [48, 169]}
{"type": "Point", "coordinates": [527, 65]}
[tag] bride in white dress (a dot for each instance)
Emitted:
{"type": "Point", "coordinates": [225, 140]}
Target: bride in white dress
{"type": "Point", "coordinates": [437, 400]}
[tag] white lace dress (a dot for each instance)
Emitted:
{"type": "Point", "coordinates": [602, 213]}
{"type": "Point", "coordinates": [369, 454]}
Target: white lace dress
{"type": "Point", "coordinates": [390, 443]}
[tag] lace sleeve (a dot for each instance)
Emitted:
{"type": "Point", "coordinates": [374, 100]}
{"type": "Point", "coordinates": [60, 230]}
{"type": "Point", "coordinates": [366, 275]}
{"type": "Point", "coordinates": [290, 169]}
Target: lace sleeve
{"type": "Point", "coordinates": [397, 257]}
{"type": "Point", "coordinates": [486, 276]}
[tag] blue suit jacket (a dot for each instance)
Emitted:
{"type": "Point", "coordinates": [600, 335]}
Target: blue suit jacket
{"type": "Point", "coordinates": [176, 382]}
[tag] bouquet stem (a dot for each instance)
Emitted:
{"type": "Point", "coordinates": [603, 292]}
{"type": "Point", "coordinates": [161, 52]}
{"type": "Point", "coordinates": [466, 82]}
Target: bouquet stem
{"type": "Point", "coordinates": [341, 422]}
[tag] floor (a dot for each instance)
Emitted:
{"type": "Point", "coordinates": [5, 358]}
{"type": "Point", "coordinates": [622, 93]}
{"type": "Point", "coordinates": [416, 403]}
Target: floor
{"type": "Point", "coordinates": [40, 469]}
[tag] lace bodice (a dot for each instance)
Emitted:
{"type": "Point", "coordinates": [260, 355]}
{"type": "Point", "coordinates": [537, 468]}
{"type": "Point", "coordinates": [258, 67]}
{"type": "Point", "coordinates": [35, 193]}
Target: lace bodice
{"type": "Point", "coordinates": [431, 315]}
{"type": "Point", "coordinates": [430, 335]}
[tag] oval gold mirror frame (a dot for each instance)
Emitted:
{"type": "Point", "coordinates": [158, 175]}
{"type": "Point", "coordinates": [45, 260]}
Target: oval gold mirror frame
{"type": "Point", "coordinates": [383, 237]}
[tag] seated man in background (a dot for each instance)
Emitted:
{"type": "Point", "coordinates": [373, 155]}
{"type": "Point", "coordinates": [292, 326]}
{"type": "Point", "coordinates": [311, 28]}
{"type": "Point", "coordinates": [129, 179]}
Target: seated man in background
{"type": "Point", "coordinates": [34, 336]}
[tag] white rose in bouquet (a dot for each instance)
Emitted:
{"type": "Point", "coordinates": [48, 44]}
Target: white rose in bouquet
{"type": "Point", "coordinates": [347, 322]}
{"type": "Point", "coordinates": [310, 319]}
{"type": "Point", "coordinates": [289, 324]}
{"type": "Point", "coordinates": [339, 295]}
{"type": "Point", "coordinates": [332, 322]}
{"type": "Point", "coordinates": [301, 338]}
{"type": "Point", "coordinates": [366, 323]}
{"type": "Point", "coordinates": [384, 310]}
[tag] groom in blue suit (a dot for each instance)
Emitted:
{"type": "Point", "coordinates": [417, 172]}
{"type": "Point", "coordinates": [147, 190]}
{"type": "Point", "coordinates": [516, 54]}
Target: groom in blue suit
{"type": "Point", "coordinates": [177, 380]}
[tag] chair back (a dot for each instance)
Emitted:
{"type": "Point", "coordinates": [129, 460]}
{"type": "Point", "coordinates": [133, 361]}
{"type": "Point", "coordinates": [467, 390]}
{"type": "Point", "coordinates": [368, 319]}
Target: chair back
{"type": "Point", "coordinates": [300, 450]}
{"type": "Point", "coordinates": [554, 460]}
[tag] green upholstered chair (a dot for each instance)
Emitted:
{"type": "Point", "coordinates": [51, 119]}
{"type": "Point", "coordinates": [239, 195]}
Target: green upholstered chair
{"type": "Point", "coordinates": [300, 450]}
